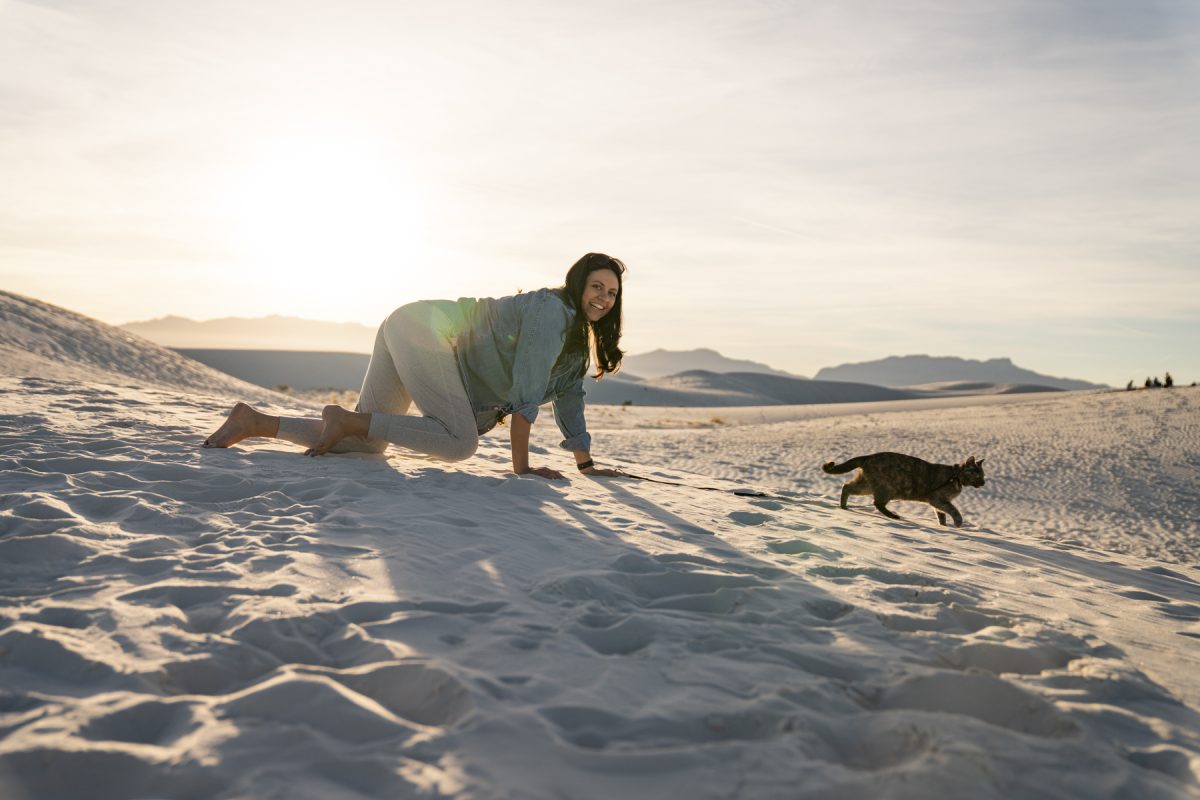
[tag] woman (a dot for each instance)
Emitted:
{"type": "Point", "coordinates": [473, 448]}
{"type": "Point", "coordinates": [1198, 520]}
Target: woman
{"type": "Point", "coordinates": [467, 364]}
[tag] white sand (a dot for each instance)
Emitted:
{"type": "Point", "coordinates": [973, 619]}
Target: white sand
{"type": "Point", "coordinates": [188, 623]}
{"type": "Point", "coordinates": [1113, 470]}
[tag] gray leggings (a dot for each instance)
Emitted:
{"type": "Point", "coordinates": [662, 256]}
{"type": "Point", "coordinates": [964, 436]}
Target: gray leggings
{"type": "Point", "coordinates": [413, 361]}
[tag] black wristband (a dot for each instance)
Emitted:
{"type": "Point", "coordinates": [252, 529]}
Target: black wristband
{"type": "Point", "coordinates": [586, 465]}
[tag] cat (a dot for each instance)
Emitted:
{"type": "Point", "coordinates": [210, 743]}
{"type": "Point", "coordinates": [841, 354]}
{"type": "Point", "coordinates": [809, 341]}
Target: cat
{"type": "Point", "coordinates": [895, 476]}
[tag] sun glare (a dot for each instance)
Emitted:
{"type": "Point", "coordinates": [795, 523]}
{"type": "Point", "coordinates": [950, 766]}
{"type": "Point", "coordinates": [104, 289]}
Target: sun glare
{"type": "Point", "coordinates": [308, 209]}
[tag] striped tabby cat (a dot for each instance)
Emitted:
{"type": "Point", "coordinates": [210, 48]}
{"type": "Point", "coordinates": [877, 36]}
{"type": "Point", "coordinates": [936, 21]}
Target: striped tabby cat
{"type": "Point", "coordinates": [895, 476]}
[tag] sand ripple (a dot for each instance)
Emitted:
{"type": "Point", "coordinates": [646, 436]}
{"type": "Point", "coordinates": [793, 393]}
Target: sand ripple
{"type": "Point", "coordinates": [178, 622]}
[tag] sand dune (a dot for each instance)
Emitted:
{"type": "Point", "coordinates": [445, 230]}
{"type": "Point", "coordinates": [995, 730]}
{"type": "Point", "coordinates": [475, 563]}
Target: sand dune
{"type": "Point", "coordinates": [188, 623]}
{"type": "Point", "coordinates": [781, 390]}
{"type": "Point", "coordinates": [704, 389]}
{"type": "Point", "coordinates": [945, 388]}
{"type": "Point", "coordinates": [763, 390]}
{"type": "Point", "coordinates": [39, 339]}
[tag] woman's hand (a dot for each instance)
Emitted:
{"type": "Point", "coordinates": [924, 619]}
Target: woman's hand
{"type": "Point", "coordinates": [544, 472]}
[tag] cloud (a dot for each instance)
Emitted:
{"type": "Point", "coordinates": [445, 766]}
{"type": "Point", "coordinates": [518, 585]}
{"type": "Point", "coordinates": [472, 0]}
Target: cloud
{"type": "Point", "coordinates": [898, 159]}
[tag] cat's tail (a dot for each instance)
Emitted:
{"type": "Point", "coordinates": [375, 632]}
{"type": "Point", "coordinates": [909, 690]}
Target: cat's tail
{"type": "Point", "coordinates": [845, 466]}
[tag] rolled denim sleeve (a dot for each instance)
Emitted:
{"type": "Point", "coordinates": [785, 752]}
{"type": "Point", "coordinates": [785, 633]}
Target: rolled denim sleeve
{"type": "Point", "coordinates": [568, 413]}
{"type": "Point", "coordinates": [543, 331]}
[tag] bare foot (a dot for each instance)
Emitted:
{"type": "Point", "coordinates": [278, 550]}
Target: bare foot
{"type": "Point", "coordinates": [242, 423]}
{"type": "Point", "coordinates": [338, 424]}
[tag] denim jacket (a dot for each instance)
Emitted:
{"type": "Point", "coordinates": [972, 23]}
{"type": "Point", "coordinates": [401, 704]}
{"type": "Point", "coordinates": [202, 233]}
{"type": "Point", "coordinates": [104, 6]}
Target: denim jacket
{"type": "Point", "coordinates": [510, 355]}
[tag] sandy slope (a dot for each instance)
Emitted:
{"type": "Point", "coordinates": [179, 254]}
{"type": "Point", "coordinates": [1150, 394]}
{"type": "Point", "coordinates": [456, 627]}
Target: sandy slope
{"type": "Point", "coordinates": [186, 623]}
{"type": "Point", "coordinates": [1113, 470]}
{"type": "Point", "coordinates": [39, 339]}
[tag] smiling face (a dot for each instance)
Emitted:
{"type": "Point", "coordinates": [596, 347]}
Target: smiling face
{"type": "Point", "coordinates": [599, 294]}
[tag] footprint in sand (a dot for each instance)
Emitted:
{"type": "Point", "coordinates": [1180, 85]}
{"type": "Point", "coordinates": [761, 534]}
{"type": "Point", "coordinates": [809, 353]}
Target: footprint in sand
{"type": "Point", "coordinates": [324, 641]}
{"type": "Point", "coordinates": [901, 595]}
{"type": "Point", "coordinates": [321, 639]}
{"type": "Point", "coordinates": [426, 626]}
{"type": "Point", "coordinates": [980, 696]}
{"type": "Point", "coordinates": [750, 517]}
{"type": "Point", "coordinates": [43, 508]}
{"type": "Point", "coordinates": [40, 551]}
{"type": "Point", "coordinates": [55, 658]}
{"type": "Point", "coordinates": [952, 618]}
{"type": "Point", "coordinates": [636, 563]}
{"type": "Point", "coordinates": [317, 703]}
{"type": "Point", "coordinates": [938, 607]}
{"type": "Point", "coordinates": [662, 587]}
{"type": "Point", "coordinates": [1009, 658]}
{"type": "Point", "coordinates": [800, 547]}
{"type": "Point", "coordinates": [69, 617]}
{"type": "Point", "coordinates": [188, 596]}
{"type": "Point", "coordinates": [274, 563]}
{"type": "Point", "coordinates": [621, 638]}
{"type": "Point", "coordinates": [416, 691]}
{"type": "Point", "coordinates": [156, 722]}
{"type": "Point", "coordinates": [1167, 760]}
{"type": "Point", "coordinates": [677, 587]}
{"type": "Point", "coordinates": [846, 574]}
{"type": "Point", "coordinates": [865, 744]}
{"type": "Point", "coordinates": [595, 729]}
{"type": "Point", "coordinates": [223, 668]}
{"type": "Point", "coordinates": [828, 609]}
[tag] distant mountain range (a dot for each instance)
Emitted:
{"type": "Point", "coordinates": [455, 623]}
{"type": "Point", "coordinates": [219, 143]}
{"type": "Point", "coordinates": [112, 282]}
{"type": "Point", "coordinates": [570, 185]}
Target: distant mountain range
{"type": "Point", "coordinates": [301, 370]}
{"type": "Point", "coordinates": [308, 354]}
{"type": "Point", "coordinates": [658, 363]}
{"type": "Point", "coordinates": [297, 369]}
{"type": "Point", "coordinates": [906, 371]}
{"type": "Point", "coordinates": [257, 333]}
{"type": "Point", "coordinates": [294, 333]}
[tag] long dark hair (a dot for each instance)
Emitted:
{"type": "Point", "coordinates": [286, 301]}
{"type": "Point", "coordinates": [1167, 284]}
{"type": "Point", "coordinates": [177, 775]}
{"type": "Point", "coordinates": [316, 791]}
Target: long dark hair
{"type": "Point", "coordinates": [604, 337]}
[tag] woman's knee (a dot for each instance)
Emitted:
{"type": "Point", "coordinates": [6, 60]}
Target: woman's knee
{"type": "Point", "coordinates": [461, 448]}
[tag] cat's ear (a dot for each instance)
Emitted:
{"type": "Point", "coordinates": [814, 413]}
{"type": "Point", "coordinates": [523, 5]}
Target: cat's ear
{"type": "Point", "coordinates": [970, 460]}
{"type": "Point", "coordinates": [979, 463]}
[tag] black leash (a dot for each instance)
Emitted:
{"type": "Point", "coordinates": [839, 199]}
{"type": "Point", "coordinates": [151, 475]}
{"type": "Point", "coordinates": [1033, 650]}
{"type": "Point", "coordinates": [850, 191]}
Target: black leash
{"type": "Point", "coordinates": [738, 492]}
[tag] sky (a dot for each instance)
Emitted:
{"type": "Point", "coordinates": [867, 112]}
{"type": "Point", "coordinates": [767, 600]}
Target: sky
{"type": "Point", "coordinates": [803, 184]}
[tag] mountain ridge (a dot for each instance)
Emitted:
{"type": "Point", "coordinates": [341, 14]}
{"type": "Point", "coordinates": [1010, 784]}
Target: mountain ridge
{"type": "Point", "coordinates": [297, 335]}
{"type": "Point", "coordinates": [661, 362]}
{"type": "Point", "coordinates": [916, 370]}
{"type": "Point", "coordinates": [272, 332]}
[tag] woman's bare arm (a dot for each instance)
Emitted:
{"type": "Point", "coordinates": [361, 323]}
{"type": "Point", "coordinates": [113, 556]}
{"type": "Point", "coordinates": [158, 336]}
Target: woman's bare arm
{"type": "Point", "coordinates": [518, 428]}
